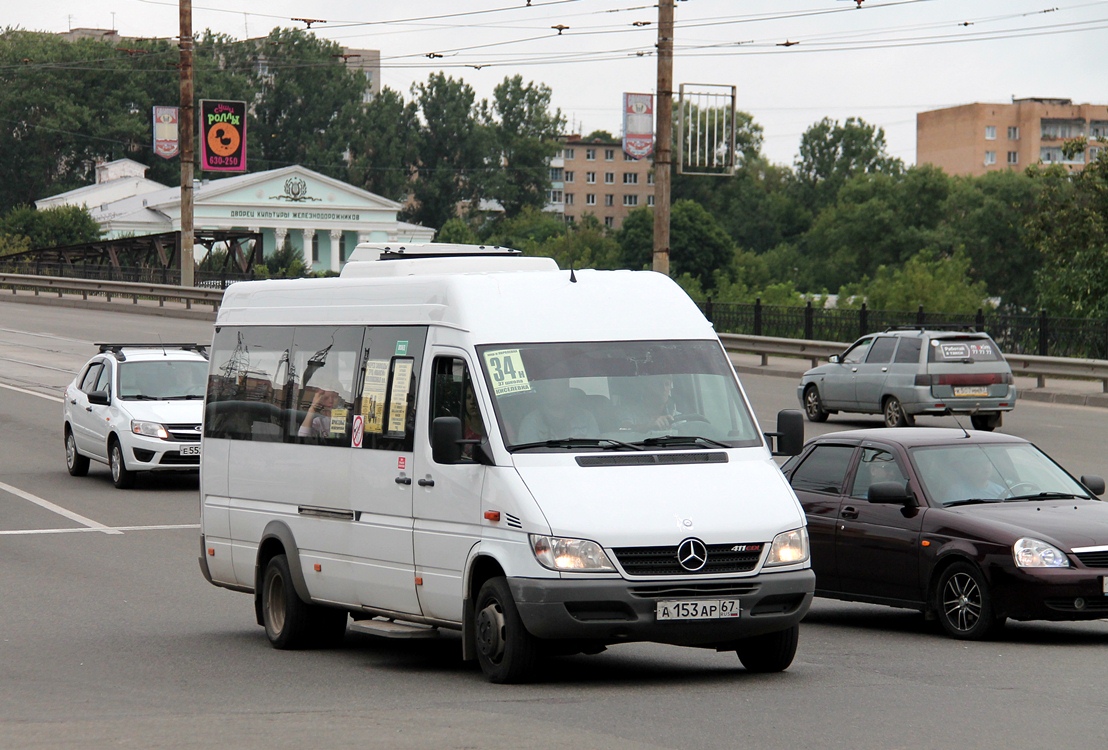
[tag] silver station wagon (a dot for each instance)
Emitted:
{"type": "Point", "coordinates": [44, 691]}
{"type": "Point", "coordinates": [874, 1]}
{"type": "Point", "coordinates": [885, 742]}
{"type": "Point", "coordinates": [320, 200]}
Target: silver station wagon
{"type": "Point", "coordinates": [903, 373]}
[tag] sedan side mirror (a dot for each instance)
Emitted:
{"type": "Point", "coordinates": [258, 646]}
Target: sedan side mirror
{"type": "Point", "coordinates": [835, 359]}
{"type": "Point", "coordinates": [100, 398]}
{"type": "Point", "coordinates": [891, 493]}
{"type": "Point", "coordinates": [1093, 484]}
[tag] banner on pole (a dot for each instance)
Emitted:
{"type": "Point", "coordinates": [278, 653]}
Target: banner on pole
{"type": "Point", "coordinates": [167, 143]}
{"type": "Point", "coordinates": [222, 136]}
{"type": "Point", "coordinates": [638, 125]}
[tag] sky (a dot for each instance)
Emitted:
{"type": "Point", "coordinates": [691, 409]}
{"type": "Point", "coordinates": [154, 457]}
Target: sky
{"type": "Point", "coordinates": [793, 62]}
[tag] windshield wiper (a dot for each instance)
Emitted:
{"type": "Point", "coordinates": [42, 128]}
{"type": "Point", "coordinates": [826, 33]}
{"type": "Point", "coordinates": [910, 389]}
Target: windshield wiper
{"type": "Point", "coordinates": [183, 397]}
{"type": "Point", "coordinates": [972, 501]}
{"type": "Point", "coordinates": [682, 440]}
{"type": "Point", "coordinates": [605, 443]}
{"type": "Point", "coordinates": [1047, 496]}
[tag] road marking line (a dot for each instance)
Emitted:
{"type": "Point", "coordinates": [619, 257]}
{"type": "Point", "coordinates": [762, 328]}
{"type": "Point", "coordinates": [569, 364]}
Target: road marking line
{"type": "Point", "coordinates": [76, 517]}
{"type": "Point", "coordinates": [59, 399]}
{"type": "Point", "coordinates": [110, 530]}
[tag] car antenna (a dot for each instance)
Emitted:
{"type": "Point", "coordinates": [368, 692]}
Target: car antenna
{"type": "Point", "coordinates": [965, 433]}
{"type": "Point", "coordinates": [572, 276]}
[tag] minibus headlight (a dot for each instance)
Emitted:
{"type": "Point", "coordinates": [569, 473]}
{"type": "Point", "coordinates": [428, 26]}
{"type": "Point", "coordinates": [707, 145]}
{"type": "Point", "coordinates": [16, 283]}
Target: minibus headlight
{"type": "Point", "coordinates": [557, 553]}
{"type": "Point", "coordinates": [149, 429]}
{"type": "Point", "coordinates": [788, 548]}
{"type": "Point", "coordinates": [1035, 553]}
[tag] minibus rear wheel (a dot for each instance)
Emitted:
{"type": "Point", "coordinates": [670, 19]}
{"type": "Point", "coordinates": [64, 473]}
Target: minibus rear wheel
{"type": "Point", "coordinates": [287, 619]}
{"type": "Point", "coordinates": [506, 652]}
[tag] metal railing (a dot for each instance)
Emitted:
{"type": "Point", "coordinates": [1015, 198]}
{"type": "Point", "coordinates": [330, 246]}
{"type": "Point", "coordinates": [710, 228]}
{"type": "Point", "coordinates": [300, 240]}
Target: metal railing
{"type": "Point", "coordinates": [110, 290]}
{"type": "Point", "coordinates": [1036, 366]}
{"type": "Point", "coordinates": [1031, 365]}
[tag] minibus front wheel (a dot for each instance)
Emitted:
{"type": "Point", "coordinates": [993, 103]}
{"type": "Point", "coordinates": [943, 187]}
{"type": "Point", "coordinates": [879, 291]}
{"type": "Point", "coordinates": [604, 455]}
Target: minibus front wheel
{"type": "Point", "coordinates": [506, 652]}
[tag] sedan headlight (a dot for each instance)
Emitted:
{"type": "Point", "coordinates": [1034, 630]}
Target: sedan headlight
{"type": "Point", "coordinates": [149, 429]}
{"type": "Point", "coordinates": [1035, 553]}
{"type": "Point", "coordinates": [788, 548]}
{"type": "Point", "coordinates": [557, 553]}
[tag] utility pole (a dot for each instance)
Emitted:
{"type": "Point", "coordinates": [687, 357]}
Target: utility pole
{"type": "Point", "coordinates": [185, 130]}
{"type": "Point", "coordinates": [663, 137]}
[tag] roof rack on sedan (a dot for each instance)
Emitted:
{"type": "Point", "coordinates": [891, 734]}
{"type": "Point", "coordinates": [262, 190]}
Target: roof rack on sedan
{"type": "Point", "coordinates": [117, 349]}
{"type": "Point", "coordinates": [937, 327]}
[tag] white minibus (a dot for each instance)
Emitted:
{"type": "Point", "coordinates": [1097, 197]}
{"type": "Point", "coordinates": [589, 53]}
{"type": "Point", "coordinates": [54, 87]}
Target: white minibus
{"type": "Point", "coordinates": [460, 438]}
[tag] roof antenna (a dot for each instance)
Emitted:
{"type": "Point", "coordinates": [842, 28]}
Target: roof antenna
{"type": "Point", "coordinates": [958, 422]}
{"type": "Point", "coordinates": [572, 276]}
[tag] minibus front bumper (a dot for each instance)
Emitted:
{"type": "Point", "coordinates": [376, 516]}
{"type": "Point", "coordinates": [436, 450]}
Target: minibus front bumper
{"type": "Point", "coordinates": [617, 610]}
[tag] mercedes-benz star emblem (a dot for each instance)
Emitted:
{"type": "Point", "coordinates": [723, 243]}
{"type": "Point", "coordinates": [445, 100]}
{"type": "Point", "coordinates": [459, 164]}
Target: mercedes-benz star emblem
{"type": "Point", "coordinates": [692, 554]}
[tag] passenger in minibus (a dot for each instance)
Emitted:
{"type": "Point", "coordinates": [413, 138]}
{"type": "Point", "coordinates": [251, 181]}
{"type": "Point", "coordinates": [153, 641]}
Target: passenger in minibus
{"type": "Point", "coordinates": [557, 415]}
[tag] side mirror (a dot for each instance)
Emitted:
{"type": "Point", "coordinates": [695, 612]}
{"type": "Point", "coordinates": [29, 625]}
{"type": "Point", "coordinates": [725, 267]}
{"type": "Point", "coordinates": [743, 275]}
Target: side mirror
{"type": "Point", "coordinates": [1093, 484]}
{"type": "Point", "coordinates": [891, 493]}
{"type": "Point", "coordinates": [835, 359]}
{"type": "Point", "coordinates": [100, 398]}
{"type": "Point", "coordinates": [790, 433]}
{"type": "Point", "coordinates": [446, 440]}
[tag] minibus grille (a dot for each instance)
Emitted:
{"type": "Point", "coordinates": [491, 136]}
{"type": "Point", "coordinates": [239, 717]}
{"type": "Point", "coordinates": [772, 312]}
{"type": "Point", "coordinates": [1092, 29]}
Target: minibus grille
{"type": "Point", "coordinates": [662, 561]}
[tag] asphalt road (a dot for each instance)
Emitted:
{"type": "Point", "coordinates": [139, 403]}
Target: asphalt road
{"type": "Point", "coordinates": [110, 637]}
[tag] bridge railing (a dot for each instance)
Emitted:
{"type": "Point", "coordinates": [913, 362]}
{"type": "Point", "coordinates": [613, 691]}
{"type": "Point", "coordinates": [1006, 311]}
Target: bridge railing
{"type": "Point", "coordinates": [764, 346]}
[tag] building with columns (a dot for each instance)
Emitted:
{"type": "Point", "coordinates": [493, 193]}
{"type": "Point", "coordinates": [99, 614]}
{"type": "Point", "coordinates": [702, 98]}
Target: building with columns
{"type": "Point", "coordinates": [319, 216]}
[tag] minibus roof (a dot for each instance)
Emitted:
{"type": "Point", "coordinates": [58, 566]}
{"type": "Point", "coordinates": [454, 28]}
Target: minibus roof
{"type": "Point", "coordinates": [494, 306]}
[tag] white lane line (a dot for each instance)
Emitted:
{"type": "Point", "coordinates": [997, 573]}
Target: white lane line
{"type": "Point", "coordinates": [59, 399]}
{"type": "Point", "coordinates": [112, 529]}
{"type": "Point", "coordinates": [75, 517]}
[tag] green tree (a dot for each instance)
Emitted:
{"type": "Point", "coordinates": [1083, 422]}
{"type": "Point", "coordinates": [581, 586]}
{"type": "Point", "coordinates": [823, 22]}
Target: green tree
{"type": "Point", "coordinates": [528, 231]}
{"type": "Point", "coordinates": [1069, 228]}
{"type": "Point", "coordinates": [458, 230]}
{"type": "Point", "coordinates": [698, 244]}
{"type": "Point", "coordinates": [453, 151]}
{"type": "Point", "coordinates": [382, 148]}
{"type": "Point", "coordinates": [51, 227]}
{"type": "Point", "coordinates": [306, 97]}
{"type": "Point", "coordinates": [64, 106]}
{"type": "Point", "coordinates": [986, 215]}
{"type": "Point", "coordinates": [600, 135]}
{"type": "Point", "coordinates": [936, 282]}
{"type": "Point", "coordinates": [525, 135]}
{"type": "Point", "coordinates": [830, 154]}
{"type": "Point", "coordinates": [585, 244]}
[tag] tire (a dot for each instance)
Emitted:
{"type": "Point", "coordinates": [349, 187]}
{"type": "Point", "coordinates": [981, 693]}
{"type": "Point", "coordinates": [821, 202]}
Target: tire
{"type": "Point", "coordinates": [123, 477]}
{"type": "Point", "coordinates": [74, 461]}
{"type": "Point", "coordinates": [287, 619]}
{"type": "Point", "coordinates": [985, 422]}
{"type": "Point", "coordinates": [772, 652]}
{"type": "Point", "coordinates": [894, 414]}
{"type": "Point", "coordinates": [813, 405]}
{"type": "Point", "coordinates": [963, 603]}
{"type": "Point", "coordinates": [506, 652]}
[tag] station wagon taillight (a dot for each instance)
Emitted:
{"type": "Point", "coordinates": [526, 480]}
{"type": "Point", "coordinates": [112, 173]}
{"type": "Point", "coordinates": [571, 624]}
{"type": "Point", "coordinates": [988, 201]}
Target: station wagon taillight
{"type": "Point", "coordinates": [983, 378]}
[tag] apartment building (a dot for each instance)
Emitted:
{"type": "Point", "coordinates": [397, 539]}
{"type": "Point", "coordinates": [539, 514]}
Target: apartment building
{"type": "Point", "coordinates": [973, 139]}
{"type": "Point", "coordinates": [596, 177]}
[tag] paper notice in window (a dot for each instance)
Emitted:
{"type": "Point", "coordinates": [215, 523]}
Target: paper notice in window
{"type": "Point", "coordinates": [398, 405]}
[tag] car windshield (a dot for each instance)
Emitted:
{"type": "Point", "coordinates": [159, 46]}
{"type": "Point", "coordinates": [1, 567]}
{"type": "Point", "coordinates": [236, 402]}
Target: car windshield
{"type": "Point", "coordinates": [617, 395]}
{"type": "Point", "coordinates": [1010, 472]}
{"type": "Point", "coordinates": [158, 380]}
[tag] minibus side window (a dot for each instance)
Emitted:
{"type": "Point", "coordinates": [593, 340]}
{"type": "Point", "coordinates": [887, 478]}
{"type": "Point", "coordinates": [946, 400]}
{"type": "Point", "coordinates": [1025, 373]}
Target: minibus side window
{"type": "Point", "coordinates": [247, 384]}
{"type": "Point", "coordinates": [322, 379]}
{"type": "Point", "coordinates": [453, 395]}
{"type": "Point", "coordinates": [388, 376]}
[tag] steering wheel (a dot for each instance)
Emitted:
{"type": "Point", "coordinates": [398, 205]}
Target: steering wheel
{"type": "Point", "coordinates": [690, 417]}
{"type": "Point", "coordinates": [1023, 488]}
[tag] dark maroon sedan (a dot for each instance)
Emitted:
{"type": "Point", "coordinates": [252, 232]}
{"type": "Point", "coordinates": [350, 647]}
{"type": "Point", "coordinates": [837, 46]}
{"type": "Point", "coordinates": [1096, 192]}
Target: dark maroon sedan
{"type": "Point", "coordinates": [973, 527]}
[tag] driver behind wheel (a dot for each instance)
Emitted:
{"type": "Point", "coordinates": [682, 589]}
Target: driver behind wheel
{"type": "Point", "coordinates": [655, 410]}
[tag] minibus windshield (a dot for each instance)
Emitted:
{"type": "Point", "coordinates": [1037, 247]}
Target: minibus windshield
{"type": "Point", "coordinates": [616, 395]}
